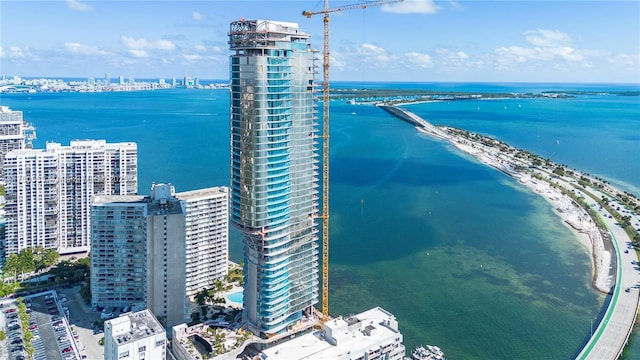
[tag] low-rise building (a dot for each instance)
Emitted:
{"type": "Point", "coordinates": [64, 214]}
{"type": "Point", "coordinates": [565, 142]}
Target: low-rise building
{"type": "Point", "coordinates": [372, 334]}
{"type": "Point", "coordinates": [134, 336]}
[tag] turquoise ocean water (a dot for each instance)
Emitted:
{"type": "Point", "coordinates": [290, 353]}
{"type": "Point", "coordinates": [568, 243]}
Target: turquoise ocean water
{"type": "Point", "coordinates": [464, 256]}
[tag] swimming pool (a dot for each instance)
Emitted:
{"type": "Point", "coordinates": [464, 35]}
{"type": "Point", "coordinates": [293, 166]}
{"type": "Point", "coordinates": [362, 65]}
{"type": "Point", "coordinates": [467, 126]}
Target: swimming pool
{"type": "Point", "coordinates": [236, 297]}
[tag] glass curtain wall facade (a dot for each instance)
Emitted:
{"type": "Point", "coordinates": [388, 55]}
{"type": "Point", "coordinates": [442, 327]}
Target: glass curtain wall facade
{"type": "Point", "coordinates": [274, 171]}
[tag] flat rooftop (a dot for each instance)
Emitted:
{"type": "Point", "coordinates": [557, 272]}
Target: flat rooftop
{"type": "Point", "coordinates": [341, 338]}
{"type": "Point", "coordinates": [141, 324]}
{"type": "Point", "coordinates": [201, 193]}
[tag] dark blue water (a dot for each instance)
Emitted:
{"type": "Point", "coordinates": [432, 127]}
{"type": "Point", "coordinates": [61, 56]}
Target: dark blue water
{"type": "Point", "coordinates": [464, 256]}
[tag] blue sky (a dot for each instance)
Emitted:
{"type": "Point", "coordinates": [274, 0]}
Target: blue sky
{"type": "Point", "coordinates": [413, 40]}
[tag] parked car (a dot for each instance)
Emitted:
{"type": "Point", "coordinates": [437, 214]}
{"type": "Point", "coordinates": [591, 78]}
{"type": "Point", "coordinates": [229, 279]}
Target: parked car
{"type": "Point", "coordinates": [106, 316]}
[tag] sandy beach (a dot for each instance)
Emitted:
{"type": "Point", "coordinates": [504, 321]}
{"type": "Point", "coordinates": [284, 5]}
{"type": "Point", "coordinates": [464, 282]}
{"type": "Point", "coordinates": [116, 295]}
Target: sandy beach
{"type": "Point", "coordinates": [573, 215]}
{"type": "Point", "coordinates": [505, 159]}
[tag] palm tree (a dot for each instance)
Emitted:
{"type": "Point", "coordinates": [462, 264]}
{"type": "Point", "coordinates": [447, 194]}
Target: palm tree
{"type": "Point", "coordinates": [201, 297]}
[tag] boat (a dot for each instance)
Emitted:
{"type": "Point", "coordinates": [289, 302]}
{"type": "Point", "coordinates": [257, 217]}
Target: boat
{"type": "Point", "coordinates": [429, 352]}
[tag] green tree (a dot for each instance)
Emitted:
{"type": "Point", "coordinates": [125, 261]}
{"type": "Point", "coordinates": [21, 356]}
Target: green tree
{"type": "Point", "coordinates": [195, 317]}
{"type": "Point", "coordinates": [51, 257]}
{"type": "Point", "coordinates": [27, 260]}
{"type": "Point", "coordinates": [8, 288]}
{"type": "Point", "coordinates": [85, 292]}
{"type": "Point", "coordinates": [12, 266]}
{"type": "Point", "coordinates": [72, 272]}
{"type": "Point", "coordinates": [201, 297]}
{"type": "Point", "coordinates": [44, 258]}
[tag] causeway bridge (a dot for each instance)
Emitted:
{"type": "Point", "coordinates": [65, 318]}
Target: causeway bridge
{"type": "Point", "coordinates": [611, 335]}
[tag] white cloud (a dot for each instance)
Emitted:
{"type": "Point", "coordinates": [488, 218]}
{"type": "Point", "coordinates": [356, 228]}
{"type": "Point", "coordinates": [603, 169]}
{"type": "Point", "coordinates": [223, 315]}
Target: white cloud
{"type": "Point", "coordinates": [521, 54]}
{"type": "Point", "coordinates": [566, 53]}
{"type": "Point", "coordinates": [163, 45]}
{"type": "Point", "coordinates": [2, 53]}
{"type": "Point", "coordinates": [451, 58]}
{"type": "Point", "coordinates": [16, 52]}
{"type": "Point", "coordinates": [419, 59]}
{"type": "Point", "coordinates": [141, 47]}
{"type": "Point", "coordinates": [78, 6]}
{"type": "Point", "coordinates": [337, 59]}
{"type": "Point", "coordinates": [412, 7]}
{"type": "Point", "coordinates": [131, 43]}
{"type": "Point", "coordinates": [552, 48]}
{"type": "Point", "coordinates": [547, 38]}
{"type": "Point", "coordinates": [197, 16]}
{"type": "Point", "coordinates": [625, 60]}
{"type": "Point", "coordinates": [371, 49]}
{"type": "Point", "coordinates": [200, 48]}
{"type": "Point", "coordinates": [375, 55]}
{"type": "Point", "coordinates": [77, 48]}
{"type": "Point", "coordinates": [138, 53]}
{"type": "Point", "coordinates": [192, 57]}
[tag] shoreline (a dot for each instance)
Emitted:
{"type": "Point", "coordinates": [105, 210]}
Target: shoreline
{"type": "Point", "coordinates": [571, 214]}
{"type": "Point", "coordinates": [511, 161]}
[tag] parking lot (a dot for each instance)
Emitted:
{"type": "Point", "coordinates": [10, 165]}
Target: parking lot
{"type": "Point", "coordinates": [82, 318]}
{"type": "Point", "coordinates": [52, 339]}
{"type": "Point", "coordinates": [13, 346]}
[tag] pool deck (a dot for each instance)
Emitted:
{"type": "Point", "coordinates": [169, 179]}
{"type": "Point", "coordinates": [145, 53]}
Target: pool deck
{"type": "Point", "coordinates": [230, 303]}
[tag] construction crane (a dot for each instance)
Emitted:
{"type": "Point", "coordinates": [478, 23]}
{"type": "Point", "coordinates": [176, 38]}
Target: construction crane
{"type": "Point", "coordinates": [325, 138]}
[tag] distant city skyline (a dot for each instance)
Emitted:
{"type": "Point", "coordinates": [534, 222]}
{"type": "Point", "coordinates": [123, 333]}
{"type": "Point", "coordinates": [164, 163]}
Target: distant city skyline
{"type": "Point", "coordinates": [415, 40]}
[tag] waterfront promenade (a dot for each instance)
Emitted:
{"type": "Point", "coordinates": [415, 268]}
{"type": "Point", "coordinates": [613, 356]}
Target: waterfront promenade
{"type": "Point", "coordinates": [611, 334]}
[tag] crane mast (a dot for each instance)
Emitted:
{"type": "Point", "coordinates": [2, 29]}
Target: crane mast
{"type": "Point", "coordinates": [325, 138]}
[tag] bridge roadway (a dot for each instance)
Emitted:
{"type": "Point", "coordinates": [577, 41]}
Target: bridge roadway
{"type": "Point", "coordinates": [612, 333]}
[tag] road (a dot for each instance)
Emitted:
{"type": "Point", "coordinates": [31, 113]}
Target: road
{"type": "Point", "coordinates": [612, 333]}
{"type": "Point", "coordinates": [82, 318]}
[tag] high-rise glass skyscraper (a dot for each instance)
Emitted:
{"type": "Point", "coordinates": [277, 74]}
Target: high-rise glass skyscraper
{"type": "Point", "coordinates": [274, 172]}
